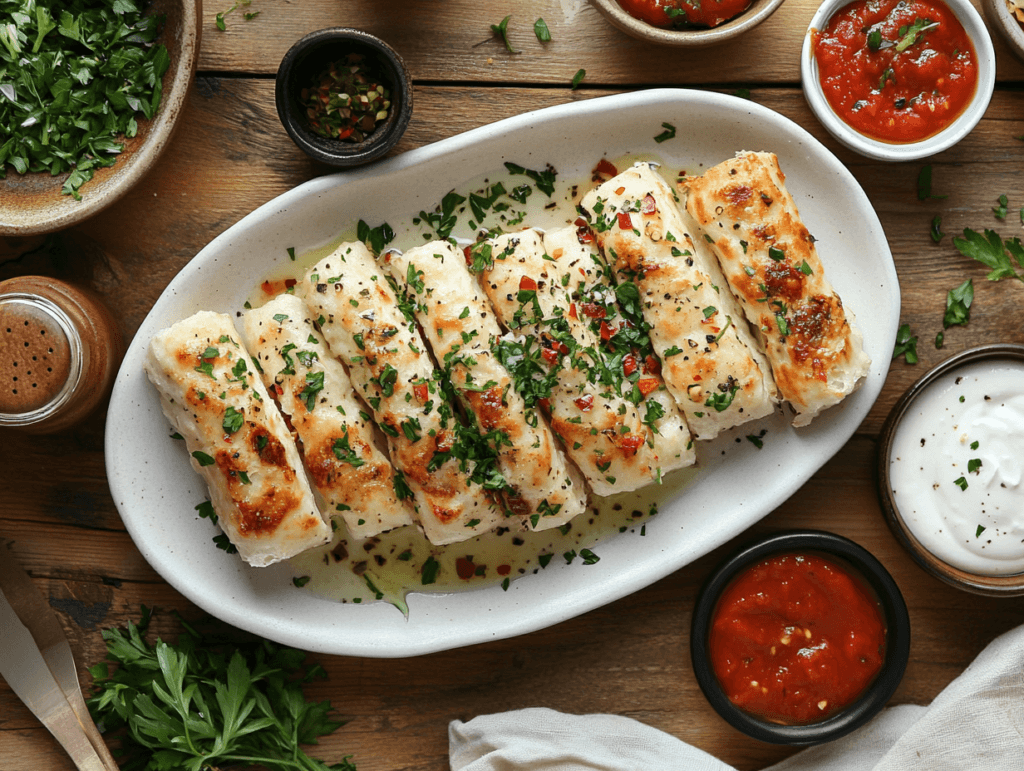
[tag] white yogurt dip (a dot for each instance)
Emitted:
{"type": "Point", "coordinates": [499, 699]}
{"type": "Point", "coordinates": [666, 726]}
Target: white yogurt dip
{"type": "Point", "coordinates": [957, 467]}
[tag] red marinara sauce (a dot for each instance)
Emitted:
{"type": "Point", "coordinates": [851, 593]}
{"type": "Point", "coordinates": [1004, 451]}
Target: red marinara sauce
{"type": "Point", "coordinates": [896, 70]}
{"type": "Point", "coordinates": [796, 638]}
{"type": "Point", "coordinates": [684, 14]}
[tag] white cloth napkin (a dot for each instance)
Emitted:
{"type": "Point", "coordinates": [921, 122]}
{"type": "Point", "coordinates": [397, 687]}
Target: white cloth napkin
{"type": "Point", "coordinates": [975, 724]}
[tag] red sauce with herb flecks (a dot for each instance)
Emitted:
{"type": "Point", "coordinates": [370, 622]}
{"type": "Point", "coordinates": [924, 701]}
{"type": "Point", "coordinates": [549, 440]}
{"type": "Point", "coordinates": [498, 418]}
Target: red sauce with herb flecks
{"type": "Point", "coordinates": [896, 70]}
{"type": "Point", "coordinates": [796, 638]}
{"type": "Point", "coordinates": [684, 14]}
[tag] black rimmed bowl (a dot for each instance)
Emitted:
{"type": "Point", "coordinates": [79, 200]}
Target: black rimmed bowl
{"type": "Point", "coordinates": [860, 564]}
{"type": "Point", "coordinates": [312, 55]}
{"type": "Point", "coordinates": [1004, 585]}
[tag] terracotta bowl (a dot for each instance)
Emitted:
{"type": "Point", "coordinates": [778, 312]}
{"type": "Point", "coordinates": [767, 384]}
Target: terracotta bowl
{"type": "Point", "coordinates": [758, 11]}
{"type": "Point", "coordinates": [32, 204]}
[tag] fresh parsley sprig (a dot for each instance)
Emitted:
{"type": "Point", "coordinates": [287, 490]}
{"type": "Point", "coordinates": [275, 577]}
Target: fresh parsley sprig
{"type": "Point", "coordinates": [197, 706]}
{"type": "Point", "coordinates": [993, 252]}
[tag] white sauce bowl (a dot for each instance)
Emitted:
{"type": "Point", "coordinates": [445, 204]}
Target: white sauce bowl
{"type": "Point", "coordinates": [951, 470]}
{"type": "Point", "coordinates": [909, 151]}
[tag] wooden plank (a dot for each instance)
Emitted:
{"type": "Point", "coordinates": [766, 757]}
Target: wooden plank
{"type": "Point", "coordinates": [629, 658]}
{"type": "Point", "coordinates": [452, 41]}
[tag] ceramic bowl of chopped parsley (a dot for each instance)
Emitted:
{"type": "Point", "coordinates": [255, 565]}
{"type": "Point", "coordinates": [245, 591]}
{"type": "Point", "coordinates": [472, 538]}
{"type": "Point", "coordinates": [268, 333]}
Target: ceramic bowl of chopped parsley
{"type": "Point", "coordinates": [90, 94]}
{"type": "Point", "coordinates": [344, 96]}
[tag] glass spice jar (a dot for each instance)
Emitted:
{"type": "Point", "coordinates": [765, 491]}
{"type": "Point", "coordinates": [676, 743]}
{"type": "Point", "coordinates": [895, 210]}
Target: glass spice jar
{"type": "Point", "coordinates": [59, 351]}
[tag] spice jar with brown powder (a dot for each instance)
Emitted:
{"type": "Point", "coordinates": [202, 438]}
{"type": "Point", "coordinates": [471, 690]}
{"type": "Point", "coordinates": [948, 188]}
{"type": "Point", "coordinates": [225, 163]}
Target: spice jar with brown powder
{"type": "Point", "coordinates": [59, 351]}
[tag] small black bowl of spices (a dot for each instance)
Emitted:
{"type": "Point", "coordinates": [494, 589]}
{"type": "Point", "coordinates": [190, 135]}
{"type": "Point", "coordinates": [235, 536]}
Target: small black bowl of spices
{"type": "Point", "coordinates": [344, 96]}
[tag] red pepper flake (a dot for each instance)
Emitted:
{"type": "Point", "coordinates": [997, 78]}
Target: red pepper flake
{"type": "Point", "coordinates": [629, 365]}
{"type": "Point", "coordinates": [572, 311]}
{"type": "Point", "coordinates": [606, 331]}
{"type": "Point", "coordinates": [277, 387]}
{"type": "Point", "coordinates": [648, 206]}
{"type": "Point", "coordinates": [549, 355]}
{"type": "Point", "coordinates": [647, 385]}
{"type": "Point", "coordinates": [467, 252]}
{"type": "Point", "coordinates": [624, 221]}
{"type": "Point", "coordinates": [583, 233]}
{"type": "Point", "coordinates": [267, 287]}
{"type": "Point", "coordinates": [631, 442]}
{"type": "Point", "coordinates": [585, 402]}
{"type": "Point", "coordinates": [445, 441]}
{"type": "Point", "coordinates": [504, 570]}
{"type": "Point", "coordinates": [421, 391]}
{"type": "Point", "coordinates": [545, 404]}
{"type": "Point", "coordinates": [527, 284]}
{"type": "Point", "coordinates": [605, 169]}
{"type": "Point", "coordinates": [594, 311]}
{"type": "Point", "coordinates": [652, 365]}
{"type": "Point", "coordinates": [464, 568]}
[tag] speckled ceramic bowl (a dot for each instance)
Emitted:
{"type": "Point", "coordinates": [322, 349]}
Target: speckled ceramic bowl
{"type": "Point", "coordinates": [31, 204]}
{"type": "Point", "coordinates": [758, 11]}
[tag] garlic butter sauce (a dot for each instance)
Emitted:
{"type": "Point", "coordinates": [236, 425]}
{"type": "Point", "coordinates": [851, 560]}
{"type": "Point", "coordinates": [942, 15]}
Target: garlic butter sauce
{"type": "Point", "coordinates": [957, 467]}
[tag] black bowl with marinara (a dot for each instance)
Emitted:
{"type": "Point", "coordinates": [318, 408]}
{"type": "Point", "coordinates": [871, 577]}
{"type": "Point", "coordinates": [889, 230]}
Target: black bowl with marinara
{"type": "Point", "coordinates": [799, 638]}
{"type": "Point", "coordinates": [344, 96]}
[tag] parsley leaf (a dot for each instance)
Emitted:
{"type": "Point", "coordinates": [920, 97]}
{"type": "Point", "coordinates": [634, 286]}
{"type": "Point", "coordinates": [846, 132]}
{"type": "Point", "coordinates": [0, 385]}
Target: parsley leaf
{"type": "Point", "coordinates": [501, 30]}
{"type": "Point", "coordinates": [958, 305]}
{"type": "Point", "coordinates": [1000, 210]}
{"type": "Point", "coordinates": [668, 133]}
{"type": "Point", "coordinates": [906, 345]}
{"type": "Point", "coordinates": [540, 29]}
{"type": "Point", "coordinates": [578, 78]}
{"type": "Point", "coordinates": [924, 184]}
{"type": "Point", "coordinates": [936, 231]}
{"type": "Point", "coordinates": [993, 252]}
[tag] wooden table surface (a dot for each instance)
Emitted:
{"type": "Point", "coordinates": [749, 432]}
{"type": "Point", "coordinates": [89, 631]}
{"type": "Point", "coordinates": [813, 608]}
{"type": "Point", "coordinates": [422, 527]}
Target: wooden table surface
{"type": "Point", "coordinates": [631, 658]}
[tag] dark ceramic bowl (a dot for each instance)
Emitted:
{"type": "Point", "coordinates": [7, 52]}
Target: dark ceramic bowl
{"type": "Point", "coordinates": [859, 563]}
{"type": "Point", "coordinates": [993, 586]}
{"type": "Point", "coordinates": [310, 56]}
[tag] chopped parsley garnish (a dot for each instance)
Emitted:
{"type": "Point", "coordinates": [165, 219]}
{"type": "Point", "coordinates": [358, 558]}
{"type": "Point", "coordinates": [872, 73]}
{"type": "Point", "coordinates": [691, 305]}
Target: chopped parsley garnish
{"type": "Point", "coordinates": [906, 345]}
{"type": "Point", "coordinates": [958, 305]}
{"type": "Point", "coordinates": [233, 420]}
{"type": "Point", "coordinates": [545, 180]}
{"type": "Point", "coordinates": [936, 231]}
{"type": "Point", "coordinates": [429, 572]}
{"type": "Point", "coordinates": [74, 80]}
{"type": "Point", "coordinates": [1000, 210]}
{"type": "Point", "coordinates": [375, 238]}
{"type": "Point", "coordinates": [387, 380]}
{"type": "Point", "coordinates": [722, 400]}
{"type": "Point", "coordinates": [540, 29]}
{"type": "Point", "coordinates": [203, 459]}
{"type": "Point", "coordinates": [974, 466]}
{"type": "Point", "coordinates": [343, 451]}
{"type": "Point", "coordinates": [981, 529]}
{"type": "Point", "coordinates": [668, 133]}
{"type": "Point", "coordinates": [501, 30]}
{"type": "Point", "coordinates": [960, 482]}
{"type": "Point", "coordinates": [314, 385]}
{"type": "Point", "coordinates": [578, 78]}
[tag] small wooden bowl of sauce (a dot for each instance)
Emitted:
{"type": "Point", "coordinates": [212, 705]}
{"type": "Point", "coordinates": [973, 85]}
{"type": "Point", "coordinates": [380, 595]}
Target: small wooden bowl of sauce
{"type": "Point", "coordinates": [799, 638]}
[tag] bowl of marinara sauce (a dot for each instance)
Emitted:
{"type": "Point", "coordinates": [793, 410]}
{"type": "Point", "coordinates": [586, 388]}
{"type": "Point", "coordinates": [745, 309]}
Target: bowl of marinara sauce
{"type": "Point", "coordinates": [898, 80]}
{"type": "Point", "coordinates": [799, 638]}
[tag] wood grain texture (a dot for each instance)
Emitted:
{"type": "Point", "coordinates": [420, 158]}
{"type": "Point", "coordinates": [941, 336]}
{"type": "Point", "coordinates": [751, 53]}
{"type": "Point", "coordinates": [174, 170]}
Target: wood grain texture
{"type": "Point", "coordinates": [451, 40]}
{"type": "Point", "coordinates": [231, 156]}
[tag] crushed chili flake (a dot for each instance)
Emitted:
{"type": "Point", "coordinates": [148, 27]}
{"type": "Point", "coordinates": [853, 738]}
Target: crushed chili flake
{"type": "Point", "coordinates": [346, 100]}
